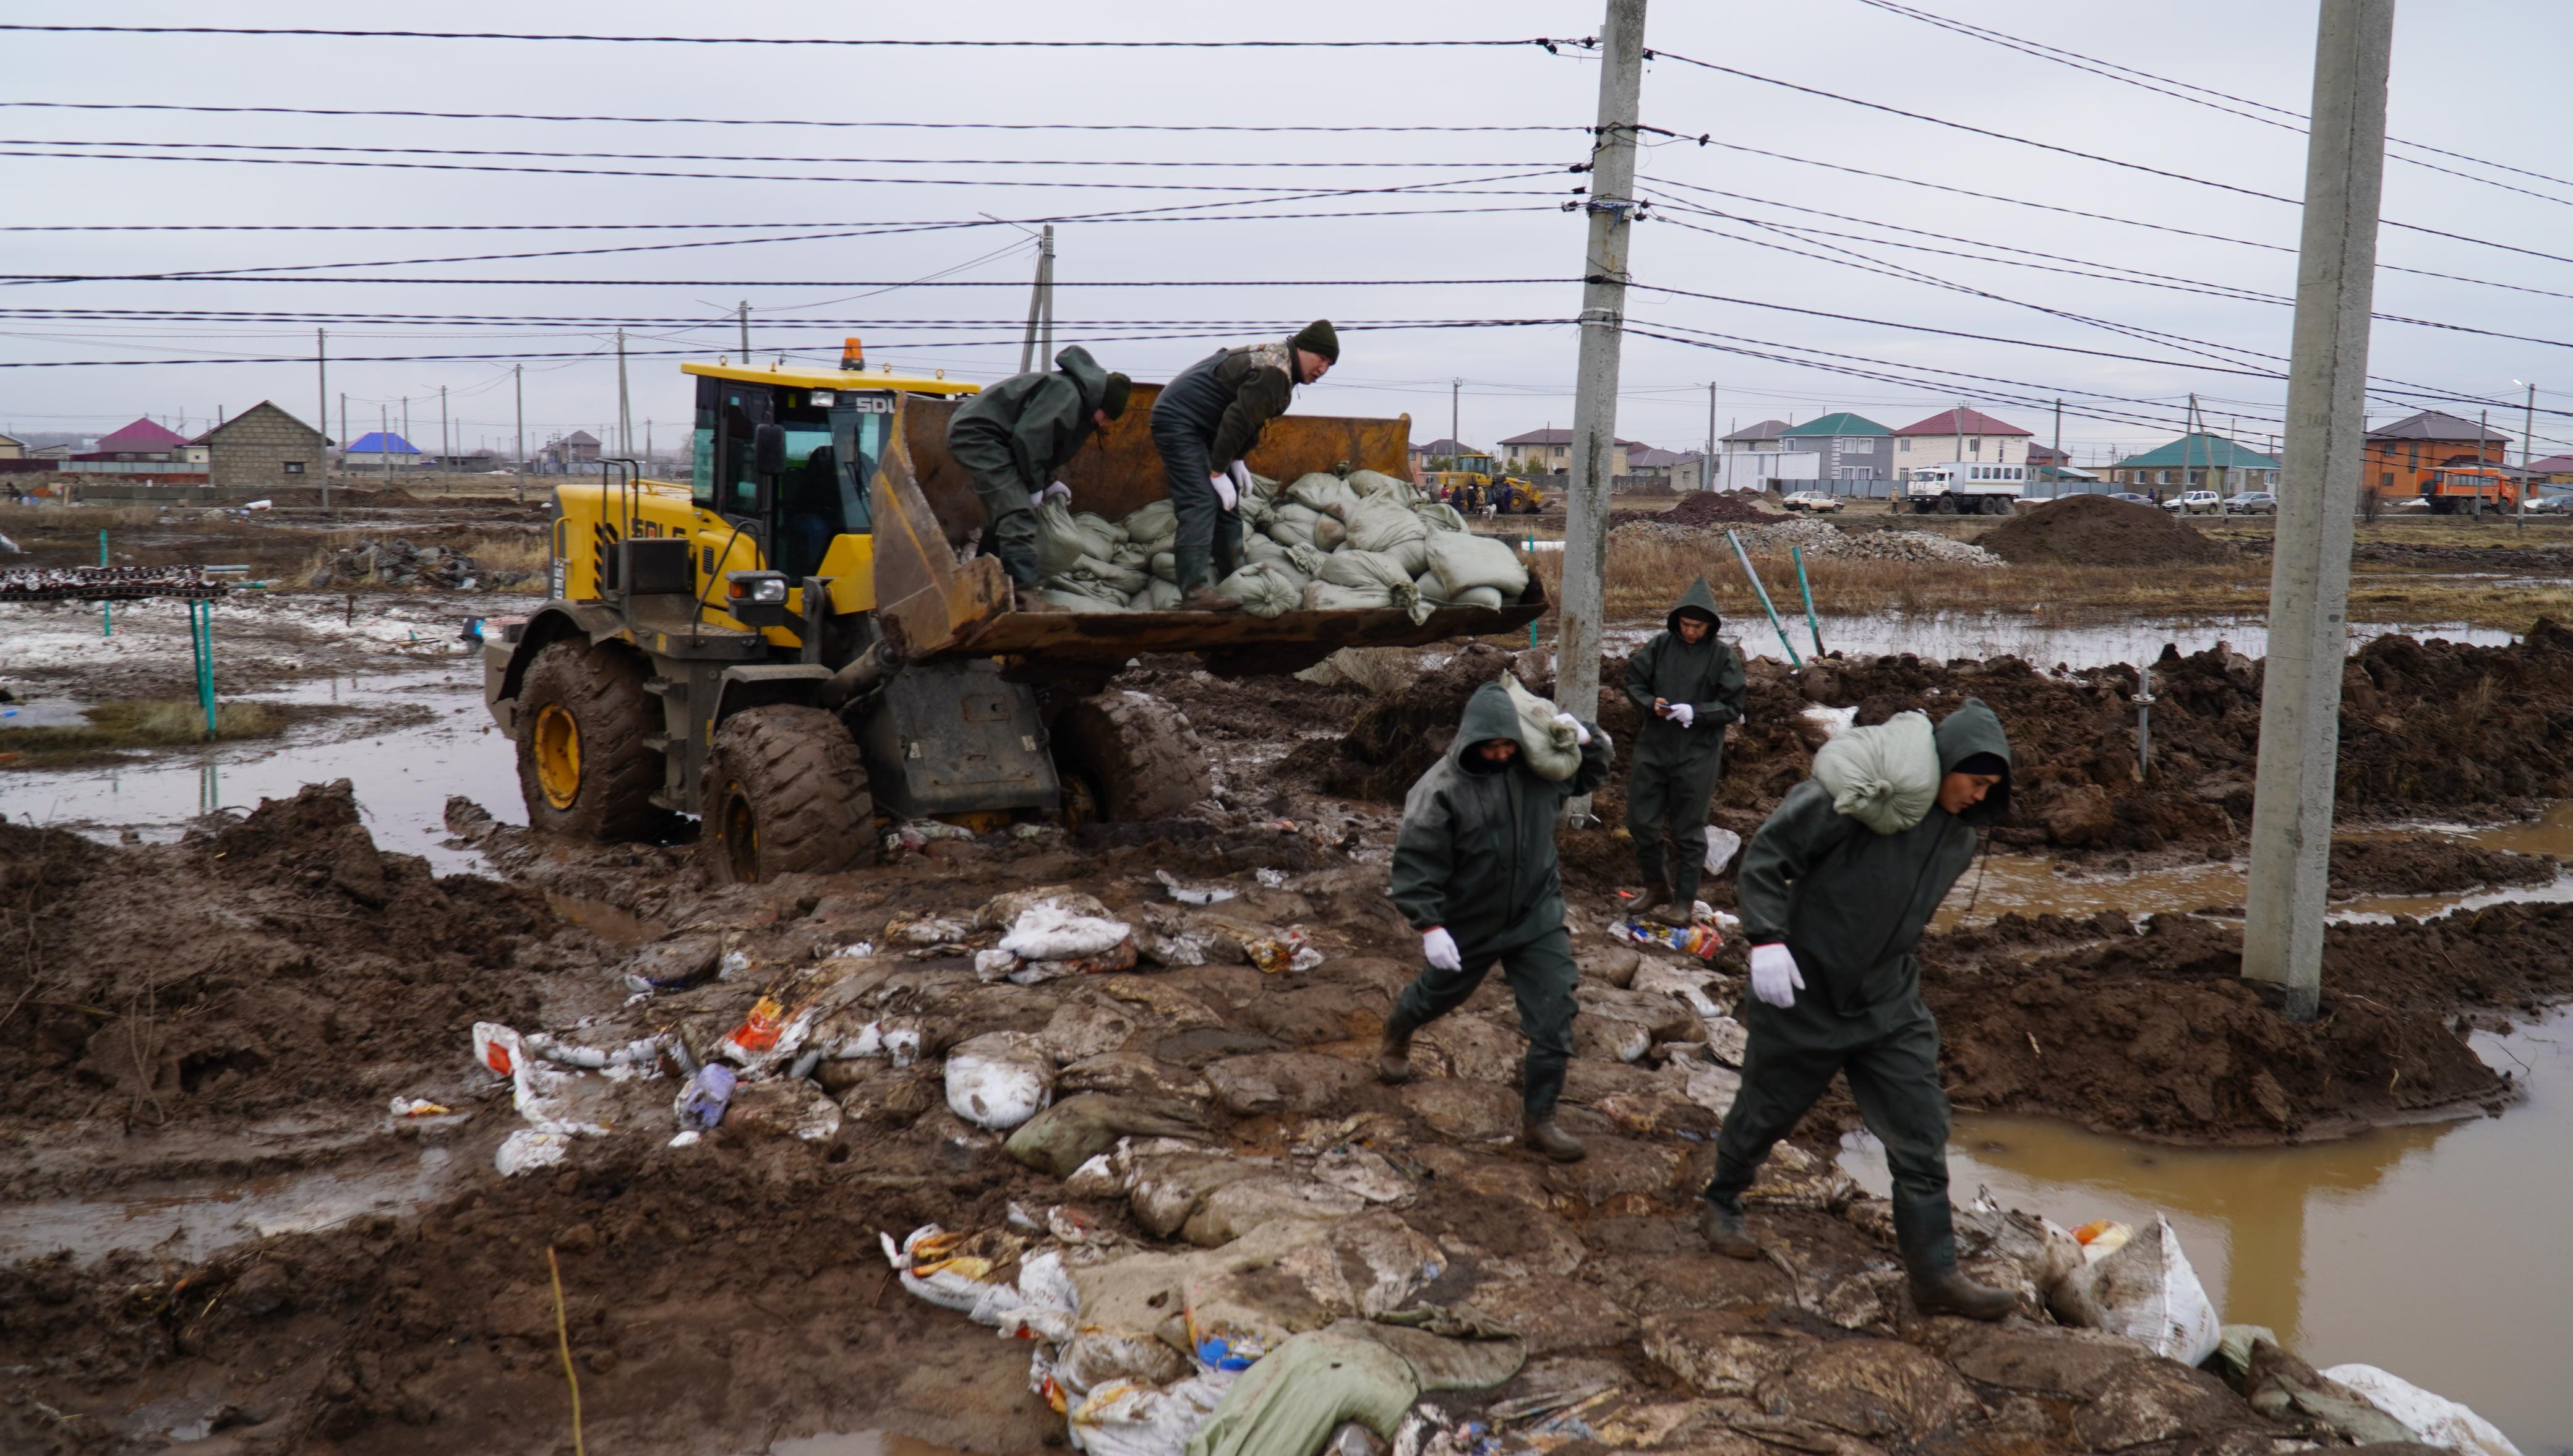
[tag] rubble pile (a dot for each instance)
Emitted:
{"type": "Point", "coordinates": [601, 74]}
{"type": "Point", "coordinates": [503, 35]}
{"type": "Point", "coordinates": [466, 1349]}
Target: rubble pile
{"type": "Point", "coordinates": [396, 563]}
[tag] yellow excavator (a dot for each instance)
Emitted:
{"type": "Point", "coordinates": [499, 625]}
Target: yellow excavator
{"type": "Point", "coordinates": [800, 640]}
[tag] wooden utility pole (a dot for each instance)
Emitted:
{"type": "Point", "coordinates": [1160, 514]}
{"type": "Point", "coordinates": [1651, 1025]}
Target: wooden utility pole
{"type": "Point", "coordinates": [2291, 807]}
{"type": "Point", "coordinates": [1595, 403]}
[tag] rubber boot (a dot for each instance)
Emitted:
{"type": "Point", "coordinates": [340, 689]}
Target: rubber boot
{"type": "Point", "coordinates": [1025, 598]}
{"type": "Point", "coordinates": [1721, 1223]}
{"type": "Point", "coordinates": [1394, 1053]}
{"type": "Point", "coordinates": [1653, 897]}
{"type": "Point", "coordinates": [1545, 1134]}
{"type": "Point", "coordinates": [1925, 1232]}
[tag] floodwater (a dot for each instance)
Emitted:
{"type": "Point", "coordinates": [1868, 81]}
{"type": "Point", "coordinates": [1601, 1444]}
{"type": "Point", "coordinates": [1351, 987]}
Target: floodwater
{"type": "Point", "coordinates": [401, 777]}
{"type": "Point", "coordinates": [857, 1443]}
{"type": "Point", "coordinates": [1939, 637]}
{"type": "Point", "coordinates": [2434, 1251]}
{"type": "Point", "coordinates": [2030, 885]}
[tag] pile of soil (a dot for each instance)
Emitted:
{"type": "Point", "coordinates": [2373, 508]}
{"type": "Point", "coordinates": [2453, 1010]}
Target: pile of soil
{"type": "Point", "coordinates": [280, 962]}
{"type": "Point", "coordinates": [2156, 1034]}
{"type": "Point", "coordinates": [2429, 865]}
{"type": "Point", "coordinates": [2093, 530]}
{"type": "Point", "coordinates": [1701, 508]}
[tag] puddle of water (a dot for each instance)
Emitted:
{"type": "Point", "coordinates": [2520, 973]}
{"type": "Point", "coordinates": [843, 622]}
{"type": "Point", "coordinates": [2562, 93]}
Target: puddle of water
{"type": "Point", "coordinates": [857, 1443]}
{"type": "Point", "coordinates": [203, 1216]}
{"type": "Point", "coordinates": [1939, 636]}
{"type": "Point", "coordinates": [2432, 1251]}
{"type": "Point", "coordinates": [401, 777]}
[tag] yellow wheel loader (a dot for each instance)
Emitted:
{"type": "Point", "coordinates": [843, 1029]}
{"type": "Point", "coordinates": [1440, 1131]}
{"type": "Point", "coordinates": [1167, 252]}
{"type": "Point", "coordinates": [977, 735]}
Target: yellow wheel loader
{"type": "Point", "coordinates": [801, 641]}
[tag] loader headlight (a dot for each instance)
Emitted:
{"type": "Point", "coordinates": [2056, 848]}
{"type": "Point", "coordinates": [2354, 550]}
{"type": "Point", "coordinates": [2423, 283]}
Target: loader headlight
{"type": "Point", "coordinates": [757, 588]}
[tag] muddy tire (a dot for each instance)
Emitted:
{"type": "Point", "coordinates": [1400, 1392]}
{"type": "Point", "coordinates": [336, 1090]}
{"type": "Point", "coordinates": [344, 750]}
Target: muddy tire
{"type": "Point", "coordinates": [586, 766]}
{"type": "Point", "coordinates": [1140, 757]}
{"type": "Point", "coordinates": [785, 793]}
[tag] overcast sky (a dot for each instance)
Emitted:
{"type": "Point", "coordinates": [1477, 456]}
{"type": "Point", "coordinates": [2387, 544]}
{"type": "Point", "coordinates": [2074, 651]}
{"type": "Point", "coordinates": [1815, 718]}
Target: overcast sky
{"type": "Point", "coordinates": [2479, 77]}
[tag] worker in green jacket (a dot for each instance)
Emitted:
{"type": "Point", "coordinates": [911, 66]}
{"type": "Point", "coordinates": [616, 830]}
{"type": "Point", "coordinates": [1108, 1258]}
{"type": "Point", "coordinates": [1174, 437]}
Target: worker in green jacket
{"type": "Point", "coordinates": [1011, 440]}
{"type": "Point", "coordinates": [1474, 872]}
{"type": "Point", "coordinates": [1688, 684]}
{"type": "Point", "coordinates": [1203, 423]}
{"type": "Point", "coordinates": [1832, 910]}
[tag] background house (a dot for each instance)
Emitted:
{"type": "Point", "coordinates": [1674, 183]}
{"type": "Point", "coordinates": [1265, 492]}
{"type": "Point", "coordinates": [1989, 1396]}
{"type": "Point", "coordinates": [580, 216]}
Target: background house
{"type": "Point", "coordinates": [1679, 469]}
{"type": "Point", "coordinates": [2401, 456]}
{"type": "Point", "coordinates": [1549, 451]}
{"type": "Point", "coordinates": [378, 450]}
{"type": "Point", "coordinates": [1856, 451]}
{"type": "Point", "coordinates": [264, 448]}
{"type": "Point", "coordinates": [12, 448]}
{"type": "Point", "coordinates": [1466, 457]}
{"type": "Point", "coordinates": [2197, 463]}
{"type": "Point", "coordinates": [1957, 436]}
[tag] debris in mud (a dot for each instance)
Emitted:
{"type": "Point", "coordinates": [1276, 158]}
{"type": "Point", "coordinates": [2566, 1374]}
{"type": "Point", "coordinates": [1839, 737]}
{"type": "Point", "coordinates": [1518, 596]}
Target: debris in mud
{"type": "Point", "coordinates": [1823, 539]}
{"type": "Point", "coordinates": [2093, 530]}
{"type": "Point", "coordinates": [396, 563]}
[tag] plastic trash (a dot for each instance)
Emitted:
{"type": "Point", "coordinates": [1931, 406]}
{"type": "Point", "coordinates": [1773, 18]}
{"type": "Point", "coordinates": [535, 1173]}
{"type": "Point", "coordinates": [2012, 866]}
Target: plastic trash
{"type": "Point", "coordinates": [1281, 953]}
{"type": "Point", "coordinates": [1270, 879]}
{"type": "Point", "coordinates": [527, 1150]}
{"type": "Point", "coordinates": [419, 1107]}
{"type": "Point", "coordinates": [2436, 1419]}
{"type": "Point", "coordinates": [1050, 932]}
{"type": "Point", "coordinates": [758, 1031]}
{"type": "Point", "coordinates": [999, 1080]}
{"type": "Point", "coordinates": [1697, 939]}
{"type": "Point", "coordinates": [1196, 894]}
{"type": "Point", "coordinates": [700, 1104]}
{"type": "Point", "coordinates": [2143, 1290]}
{"type": "Point", "coordinates": [928, 930]}
{"type": "Point", "coordinates": [1130, 1418]}
{"type": "Point", "coordinates": [1721, 846]}
{"type": "Point", "coordinates": [496, 1046]}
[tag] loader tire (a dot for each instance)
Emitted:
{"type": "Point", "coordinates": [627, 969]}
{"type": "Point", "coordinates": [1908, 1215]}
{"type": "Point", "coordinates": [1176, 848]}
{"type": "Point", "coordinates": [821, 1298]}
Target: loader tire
{"type": "Point", "coordinates": [1141, 759]}
{"type": "Point", "coordinates": [785, 793]}
{"type": "Point", "coordinates": [586, 766]}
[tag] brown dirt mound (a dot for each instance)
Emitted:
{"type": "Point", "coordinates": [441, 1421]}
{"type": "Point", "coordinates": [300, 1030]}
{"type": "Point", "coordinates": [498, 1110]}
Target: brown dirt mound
{"type": "Point", "coordinates": [282, 960]}
{"type": "Point", "coordinates": [2429, 865]}
{"type": "Point", "coordinates": [2158, 1034]}
{"type": "Point", "coordinates": [1701, 508]}
{"type": "Point", "coordinates": [2092, 530]}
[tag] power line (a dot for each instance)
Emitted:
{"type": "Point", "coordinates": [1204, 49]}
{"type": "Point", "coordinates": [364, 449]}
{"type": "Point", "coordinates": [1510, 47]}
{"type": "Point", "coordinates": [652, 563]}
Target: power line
{"type": "Point", "coordinates": [761, 157]}
{"type": "Point", "coordinates": [725, 121]}
{"type": "Point", "coordinates": [743, 40]}
{"type": "Point", "coordinates": [698, 283]}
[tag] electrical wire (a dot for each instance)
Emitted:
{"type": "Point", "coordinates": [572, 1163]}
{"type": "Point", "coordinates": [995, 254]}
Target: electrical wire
{"type": "Point", "coordinates": [748, 40]}
{"type": "Point", "coordinates": [759, 156]}
{"type": "Point", "coordinates": [725, 121]}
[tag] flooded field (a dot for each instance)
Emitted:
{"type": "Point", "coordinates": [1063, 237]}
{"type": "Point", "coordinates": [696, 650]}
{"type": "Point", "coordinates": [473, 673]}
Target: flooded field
{"type": "Point", "coordinates": [2431, 1250]}
{"type": "Point", "coordinates": [1943, 637]}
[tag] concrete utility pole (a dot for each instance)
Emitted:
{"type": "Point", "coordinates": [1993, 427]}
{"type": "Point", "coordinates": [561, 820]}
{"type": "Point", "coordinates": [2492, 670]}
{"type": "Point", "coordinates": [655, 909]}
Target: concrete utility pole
{"type": "Point", "coordinates": [344, 450]}
{"type": "Point", "coordinates": [1040, 309]}
{"type": "Point", "coordinates": [1455, 392]}
{"type": "Point", "coordinates": [1594, 400]}
{"type": "Point", "coordinates": [2527, 456]}
{"type": "Point", "coordinates": [2059, 461]}
{"type": "Point", "coordinates": [1045, 345]}
{"type": "Point", "coordinates": [405, 431]}
{"type": "Point", "coordinates": [321, 388]}
{"type": "Point", "coordinates": [385, 442]}
{"type": "Point", "coordinates": [1706, 472]}
{"type": "Point", "coordinates": [518, 388]}
{"type": "Point", "coordinates": [624, 410]}
{"type": "Point", "coordinates": [446, 449]}
{"type": "Point", "coordinates": [745, 334]}
{"type": "Point", "coordinates": [2291, 807]}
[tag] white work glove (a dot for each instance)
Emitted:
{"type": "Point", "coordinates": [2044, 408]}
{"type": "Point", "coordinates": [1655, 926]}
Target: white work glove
{"type": "Point", "coordinates": [1241, 474]}
{"type": "Point", "coordinates": [1056, 492]}
{"type": "Point", "coordinates": [1774, 977]}
{"type": "Point", "coordinates": [1580, 734]}
{"type": "Point", "coordinates": [1440, 949]}
{"type": "Point", "coordinates": [1682, 714]}
{"type": "Point", "coordinates": [1224, 491]}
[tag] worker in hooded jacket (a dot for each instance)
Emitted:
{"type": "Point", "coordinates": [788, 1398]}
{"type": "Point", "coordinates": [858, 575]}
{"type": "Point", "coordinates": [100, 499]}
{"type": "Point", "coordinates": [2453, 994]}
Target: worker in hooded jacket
{"type": "Point", "coordinates": [1203, 424]}
{"type": "Point", "coordinates": [1474, 872]}
{"type": "Point", "coordinates": [1687, 683]}
{"type": "Point", "coordinates": [1832, 910]}
{"type": "Point", "coordinates": [1011, 440]}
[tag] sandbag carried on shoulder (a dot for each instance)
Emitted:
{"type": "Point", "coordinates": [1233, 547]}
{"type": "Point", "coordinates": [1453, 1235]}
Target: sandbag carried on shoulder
{"type": "Point", "coordinates": [1885, 777]}
{"type": "Point", "coordinates": [1553, 750]}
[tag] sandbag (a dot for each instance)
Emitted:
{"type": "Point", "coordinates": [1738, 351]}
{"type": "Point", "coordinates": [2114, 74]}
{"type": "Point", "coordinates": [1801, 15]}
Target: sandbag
{"type": "Point", "coordinates": [999, 1080]}
{"type": "Point", "coordinates": [1376, 483]}
{"type": "Point", "coordinates": [1100, 537]}
{"type": "Point", "coordinates": [1431, 589]}
{"type": "Point", "coordinates": [1371, 571]}
{"type": "Point", "coordinates": [1552, 749]}
{"type": "Point", "coordinates": [2436, 1419]}
{"type": "Point", "coordinates": [1885, 777]}
{"type": "Point", "coordinates": [1438, 516]}
{"type": "Point", "coordinates": [1321, 490]}
{"type": "Point", "coordinates": [1292, 533]}
{"type": "Point", "coordinates": [1165, 567]}
{"type": "Point", "coordinates": [1307, 560]}
{"type": "Point", "coordinates": [1464, 560]}
{"type": "Point", "coordinates": [1264, 589]}
{"type": "Point", "coordinates": [1159, 521]}
{"type": "Point", "coordinates": [1322, 596]}
{"type": "Point", "coordinates": [2146, 1292]}
{"type": "Point", "coordinates": [1329, 534]}
{"type": "Point", "coordinates": [1257, 548]}
{"type": "Point", "coordinates": [1160, 596]}
{"type": "Point", "coordinates": [1127, 580]}
{"type": "Point", "coordinates": [1381, 524]}
{"type": "Point", "coordinates": [1058, 541]}
{"type": "Point", "coordinates": [1073, 596]}
{"type": "Point", "coordinates": [1479, 597]}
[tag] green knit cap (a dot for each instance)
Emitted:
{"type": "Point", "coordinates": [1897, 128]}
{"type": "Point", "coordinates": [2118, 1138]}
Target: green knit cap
{"type": "Point", "coordinates": [1112, 398]}
{"type": "Point", "coordinates": [1319, 338]}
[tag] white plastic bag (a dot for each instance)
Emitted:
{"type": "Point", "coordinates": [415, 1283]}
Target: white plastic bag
{"type": "Point", "coordinates": [528, 1149]}
{"type": "Point", "coordinates": [1046, 931]}
{"type": "Point", "coordinates": [1130, 1418]}
{"type": "Point", "coordinates": [2146, 1291]}
{"type": "Point", "coordinates": [1885, 777]}
{"type": "Point", "coordinates": [999, 1080]}
{"type": "Point", "coordinates": [2436, 1419]}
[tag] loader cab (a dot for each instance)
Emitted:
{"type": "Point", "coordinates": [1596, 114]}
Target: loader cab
{"type": "Point", "coordinates": [829, 442]}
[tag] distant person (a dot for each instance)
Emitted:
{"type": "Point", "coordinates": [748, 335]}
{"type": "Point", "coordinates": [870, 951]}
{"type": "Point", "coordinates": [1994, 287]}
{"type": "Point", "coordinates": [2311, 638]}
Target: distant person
{"type": "Point", "coordinates": [1203, 424]}
{"type": "Point", "coordinates": [1011, 440]}
{"type": "Point", "coordinates": [1474, 871]}
{"type": "Point", "coordinates": [1688, 684]}
{"type": "Point", "coordinates": [1832, 908]}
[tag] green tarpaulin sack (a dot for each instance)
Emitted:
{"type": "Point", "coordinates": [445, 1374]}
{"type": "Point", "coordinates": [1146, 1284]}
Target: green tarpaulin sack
{"type": "Point", "coordinates": [1264, 590]}
{"type": "Point", "coordinates": [1553, 750]}
{"type": "Point", "coordinates": [1464, 561]}
{"type": "Point", "coordinates": [1885, 777]}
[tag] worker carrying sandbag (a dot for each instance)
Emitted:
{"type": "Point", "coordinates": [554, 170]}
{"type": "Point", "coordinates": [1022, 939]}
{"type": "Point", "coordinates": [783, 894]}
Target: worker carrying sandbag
{"type": "Point", "coordinates": [1832, 907]}
{"type": "Point", "coordinates": [1474, 872]}
{"type": "Point", "coordinates": [1688, 684]}
{"type": "Point", "coordinates": [1204, 421]}
{"type": "Point", "coordinates": [1012, 439]}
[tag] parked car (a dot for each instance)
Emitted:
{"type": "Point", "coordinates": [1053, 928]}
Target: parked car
{"type": "Point", "coordinates": [2196, 502]}
{"type": "Point", "coordinates": [1813, 500]}
{"type": "Point", "coordinates": [2251, 502]}
{"type": "Point", "coordinates": [2550, 505]}
{"type": "Point", "coordinates": [2131, 498]}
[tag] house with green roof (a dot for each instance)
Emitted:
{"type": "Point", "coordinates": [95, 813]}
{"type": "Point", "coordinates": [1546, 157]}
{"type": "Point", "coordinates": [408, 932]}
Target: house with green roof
{"type": "Point", "coordinates": [1857, 453]}
{"type": "Point", "coordinates": [2197, 463]}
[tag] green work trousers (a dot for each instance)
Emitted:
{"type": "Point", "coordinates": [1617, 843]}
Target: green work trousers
{"type": "Point", "coordinates": [1668, 800]}
{"type": "Point", "coordinates": [1890, 1057]}
{"type": "Point", "coordinates": [1541, 975]}
{"type": "Point", "coordinates": [1010, 512]}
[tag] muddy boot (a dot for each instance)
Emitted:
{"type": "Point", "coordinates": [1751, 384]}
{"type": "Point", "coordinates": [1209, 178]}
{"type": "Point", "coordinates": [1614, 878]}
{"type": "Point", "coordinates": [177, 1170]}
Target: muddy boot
{"type": "Point", "coordinates": [1673, 914]}
{"type": "Point", "coordinates": [1027, 599]}
{"type": "Point", "coordinates": [1545, 1134]}
{"type": "Point", "coordinates": [1204, 599]}
{"type": "Point", "coordinates": [1653, 897]}
{"type": "Point", "coordinates": [1394, 1053]}
{"type": "Point", "coordinates": [1925, 1232]}
{"type": "Point", "coordinates": [1721, 1223]}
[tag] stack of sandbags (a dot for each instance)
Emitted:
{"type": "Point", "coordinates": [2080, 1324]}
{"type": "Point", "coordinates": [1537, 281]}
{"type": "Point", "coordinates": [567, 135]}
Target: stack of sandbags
{"type": "Point", "coordinates": [1365, 541]}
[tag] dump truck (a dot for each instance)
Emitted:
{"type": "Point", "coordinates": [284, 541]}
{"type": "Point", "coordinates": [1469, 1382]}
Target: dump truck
{"type": "Point", "coordinates": [801, 642]}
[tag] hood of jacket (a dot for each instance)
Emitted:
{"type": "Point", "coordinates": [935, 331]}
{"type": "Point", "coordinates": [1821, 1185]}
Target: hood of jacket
{"type": "Point", "coordinates": [1698, 598]}
{"type": "Point", "coordinates": [1973, 729]}
{"type": "Point", "coordinates": [1488, 715]}
{"type": "Point", "coordinates": [1086, 376]}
